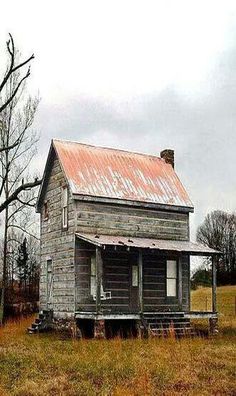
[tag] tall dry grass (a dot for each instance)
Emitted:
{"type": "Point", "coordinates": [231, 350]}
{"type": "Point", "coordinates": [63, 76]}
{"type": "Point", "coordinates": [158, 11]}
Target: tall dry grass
{"type": "Point", "coordinates": [47, 365]}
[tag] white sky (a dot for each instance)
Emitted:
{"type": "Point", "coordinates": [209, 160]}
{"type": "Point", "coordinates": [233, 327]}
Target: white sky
{"type": "Point", "coordinates": [118, 48]}
{"type": "Point", "coordinates": [141, 75]}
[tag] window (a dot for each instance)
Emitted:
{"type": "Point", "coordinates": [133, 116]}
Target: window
{"type": "Point", "coordinates": [171, 278]}
{"type": "Point", "coordinates": [65, 207]}
{"type": "Point", "coordinates": [134, 275]}
{"type": "Point", "coordinates": [93, 276]}
{"type": "Point", "coordinates": [45, 210]}
{"type": "Point", "coordinates": [49, 266]}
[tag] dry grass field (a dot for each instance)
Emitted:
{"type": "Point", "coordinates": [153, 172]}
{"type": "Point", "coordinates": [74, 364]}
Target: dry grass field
{"type": "Point", "coordinates": [47, 365]}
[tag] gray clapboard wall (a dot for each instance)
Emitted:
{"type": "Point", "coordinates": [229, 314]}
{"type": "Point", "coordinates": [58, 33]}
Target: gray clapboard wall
{"type": "Point", "coordinates": [57, 244]}
{"type": "Point", "coordinates": [154, 283]}
{"type": "Point", "coordinates": [126, 220]}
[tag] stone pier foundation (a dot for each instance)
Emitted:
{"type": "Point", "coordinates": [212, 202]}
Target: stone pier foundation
{"type": "Point", "coordinates": [99, 329]}
{"type": "Point", "coordinates": [213, 326]}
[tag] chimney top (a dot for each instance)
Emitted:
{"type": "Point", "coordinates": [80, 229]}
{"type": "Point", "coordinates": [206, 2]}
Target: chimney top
{"type": "Point", "coordinates": [169, 156]}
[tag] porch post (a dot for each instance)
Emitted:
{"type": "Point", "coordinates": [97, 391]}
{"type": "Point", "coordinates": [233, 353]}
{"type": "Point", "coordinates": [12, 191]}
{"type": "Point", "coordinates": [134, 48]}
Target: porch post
{"type": "Point", "coordinates": [214, 260]}
{"type": "Point", "coordinates": [140, 275]}
{"type": "Point", "coordinates": [99, 265]}
{"type": "Point", "coordinates": [180, 283]}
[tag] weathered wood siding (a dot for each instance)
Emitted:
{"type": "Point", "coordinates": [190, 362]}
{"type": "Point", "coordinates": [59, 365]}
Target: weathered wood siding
{"type": "Point", "coordinates": [83, 253]}
{"type": "Point", "coordinates": [154, 284]}
{"type": "Point", "coordinates": [58, 244]}
{"type": "Point", "coordinates": [118, 220]}
{"type": "Point", "coordinates": [117, 280]}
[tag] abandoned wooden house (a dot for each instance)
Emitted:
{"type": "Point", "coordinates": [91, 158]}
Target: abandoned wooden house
{"type": "Point", "coordinates": [115, 246]}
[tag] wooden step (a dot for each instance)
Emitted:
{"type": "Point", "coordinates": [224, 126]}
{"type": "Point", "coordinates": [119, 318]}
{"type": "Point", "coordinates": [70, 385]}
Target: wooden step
{"type": "Point", "coordinates": [181, 332]}
{"type": "Point", "coordinates": [169, 324]}
{"type": "Point", "coordinates": [31, 330]}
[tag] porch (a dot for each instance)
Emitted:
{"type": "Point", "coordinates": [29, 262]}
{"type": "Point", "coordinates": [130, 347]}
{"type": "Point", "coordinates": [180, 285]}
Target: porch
{"type": "Point", "coordinates": [144, 292]}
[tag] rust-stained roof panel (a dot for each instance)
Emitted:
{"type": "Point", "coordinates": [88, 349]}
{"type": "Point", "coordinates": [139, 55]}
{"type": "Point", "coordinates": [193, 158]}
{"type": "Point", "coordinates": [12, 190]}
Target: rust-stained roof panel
{"type": "Point", "coordinates": [148, 243]}
{"type": "Point", "coordinates": [110, 173]}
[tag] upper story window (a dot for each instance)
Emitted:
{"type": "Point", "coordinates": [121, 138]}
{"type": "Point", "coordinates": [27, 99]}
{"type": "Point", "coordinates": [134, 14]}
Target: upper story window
{"type": "Point", "coordinates": [171, 278]}
{"type": "Point", "coordinates": [64, 207]}
{"type": "Point", "coordinates": [45, 210]}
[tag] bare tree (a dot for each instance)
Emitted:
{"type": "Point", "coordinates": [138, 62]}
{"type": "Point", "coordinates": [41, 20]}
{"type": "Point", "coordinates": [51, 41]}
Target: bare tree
{"type": "Point", "coordinates": [218, 231]}
{"type": "Point", "coordinates": [11, 90]}
{"type": "Point", "coordinates": [18, 144]}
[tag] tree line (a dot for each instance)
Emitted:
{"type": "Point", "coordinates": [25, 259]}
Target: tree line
{"type": "Point", "coordinates": [218, 231]}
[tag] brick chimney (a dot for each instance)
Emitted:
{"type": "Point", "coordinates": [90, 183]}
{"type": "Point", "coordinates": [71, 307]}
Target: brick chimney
{"type": "Point", "coordinates": [169, 156]}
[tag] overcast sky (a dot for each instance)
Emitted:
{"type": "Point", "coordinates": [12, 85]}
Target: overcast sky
{"type": "Point", "coordinates": [139, 75]}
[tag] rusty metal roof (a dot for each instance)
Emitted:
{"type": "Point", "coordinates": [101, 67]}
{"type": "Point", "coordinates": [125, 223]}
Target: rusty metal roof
{"type": "Point", "coordinates": [148, 243]}
{"type": "Point", "coordinates": [117, 174]}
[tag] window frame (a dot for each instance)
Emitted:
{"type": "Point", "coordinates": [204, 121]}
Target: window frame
{"type": "Point", "coordinates": [176, 278]}
{"type": "Point", "coordinates": [134, 276]}
{"type": "Point", "coordinates": [65, 207]}
{"type": "Point", "coordinates": [45, 211]}
{"type": "Point", "coordinates": [93, 277]}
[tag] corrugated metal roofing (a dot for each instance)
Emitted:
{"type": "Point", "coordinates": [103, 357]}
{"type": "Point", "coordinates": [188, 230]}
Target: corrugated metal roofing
{"type": "Point", "coordinates": [148, 243]}
{"type": "Point", "coordinates": [110, 173]}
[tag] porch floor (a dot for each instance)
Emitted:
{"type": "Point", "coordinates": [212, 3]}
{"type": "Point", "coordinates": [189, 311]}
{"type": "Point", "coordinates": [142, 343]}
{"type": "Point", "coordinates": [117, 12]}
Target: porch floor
{"type": "Point", "coordinates": [138, 316]}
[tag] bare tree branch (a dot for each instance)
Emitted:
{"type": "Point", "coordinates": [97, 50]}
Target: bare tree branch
{"type": "Point", "coordinates": [26, 203]}
{"type": "Point", "coordinates": [12, 68]}
{"type": "Point", "coordinates": [15, 194]}
{"type": "Point", "coordinates": [23, 230]}
{"type": "Point", "coordinates": [15, 91]}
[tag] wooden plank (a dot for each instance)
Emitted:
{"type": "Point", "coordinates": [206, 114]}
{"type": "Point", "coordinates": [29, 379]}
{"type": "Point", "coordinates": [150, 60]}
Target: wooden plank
{"type": "Point", "coordinates": [117, 220]}
{"type": "Point", "coordinates": [99, 270]}
{"type": "Point", "coordinates": [214, 262]}
{"type": "Point", "coordinates": [180, 209]}
{"type": "Point", "coordinates": [180, 282]}
{"type": "Point", "coordinates": [140, 283]}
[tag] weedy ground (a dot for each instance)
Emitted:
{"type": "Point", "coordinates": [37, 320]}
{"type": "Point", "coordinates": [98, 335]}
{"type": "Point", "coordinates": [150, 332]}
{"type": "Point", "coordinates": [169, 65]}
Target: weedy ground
{"type": "Point", "coordinates": [35, 365]}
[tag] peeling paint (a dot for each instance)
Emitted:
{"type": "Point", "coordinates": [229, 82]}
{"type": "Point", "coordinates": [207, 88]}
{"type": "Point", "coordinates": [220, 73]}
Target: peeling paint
{"type": "Point", "coordinates": [111, 173]}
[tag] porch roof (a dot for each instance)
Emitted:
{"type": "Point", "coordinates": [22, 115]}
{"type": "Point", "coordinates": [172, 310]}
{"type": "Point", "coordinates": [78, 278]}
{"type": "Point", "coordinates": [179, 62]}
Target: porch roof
{"type": "Point", "coordinates": [192, 248]}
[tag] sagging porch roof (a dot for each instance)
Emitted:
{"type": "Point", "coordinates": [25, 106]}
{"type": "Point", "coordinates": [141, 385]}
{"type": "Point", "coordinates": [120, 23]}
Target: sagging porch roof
{"type": "Point", "coordinates": [192, 248]}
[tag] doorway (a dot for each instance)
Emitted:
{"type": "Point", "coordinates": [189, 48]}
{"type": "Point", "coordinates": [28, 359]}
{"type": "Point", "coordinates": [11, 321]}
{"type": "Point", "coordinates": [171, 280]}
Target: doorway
{"type": "Point", "coordinates": [134, 285]}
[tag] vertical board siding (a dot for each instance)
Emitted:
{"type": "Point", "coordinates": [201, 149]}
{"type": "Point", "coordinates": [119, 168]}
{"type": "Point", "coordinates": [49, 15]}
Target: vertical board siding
{"type": "Point", "coordinates": [58, 244]}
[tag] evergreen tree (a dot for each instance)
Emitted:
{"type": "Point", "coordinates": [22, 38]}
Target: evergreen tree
{"type": "Point", "coordinates": [23, 265]}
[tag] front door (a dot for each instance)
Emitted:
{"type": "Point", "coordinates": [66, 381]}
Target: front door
{"type": "Point", "coordinates": [134, 286]}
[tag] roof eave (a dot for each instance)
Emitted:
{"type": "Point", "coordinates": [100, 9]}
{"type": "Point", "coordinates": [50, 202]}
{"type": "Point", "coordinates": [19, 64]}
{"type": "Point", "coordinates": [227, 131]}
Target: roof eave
{"type": "Point", "coordinates": [119, 201]}
{"type": "Point", "coordinates": [38, 205]}
{"type": "Point", "coordinates": [105, 240]}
